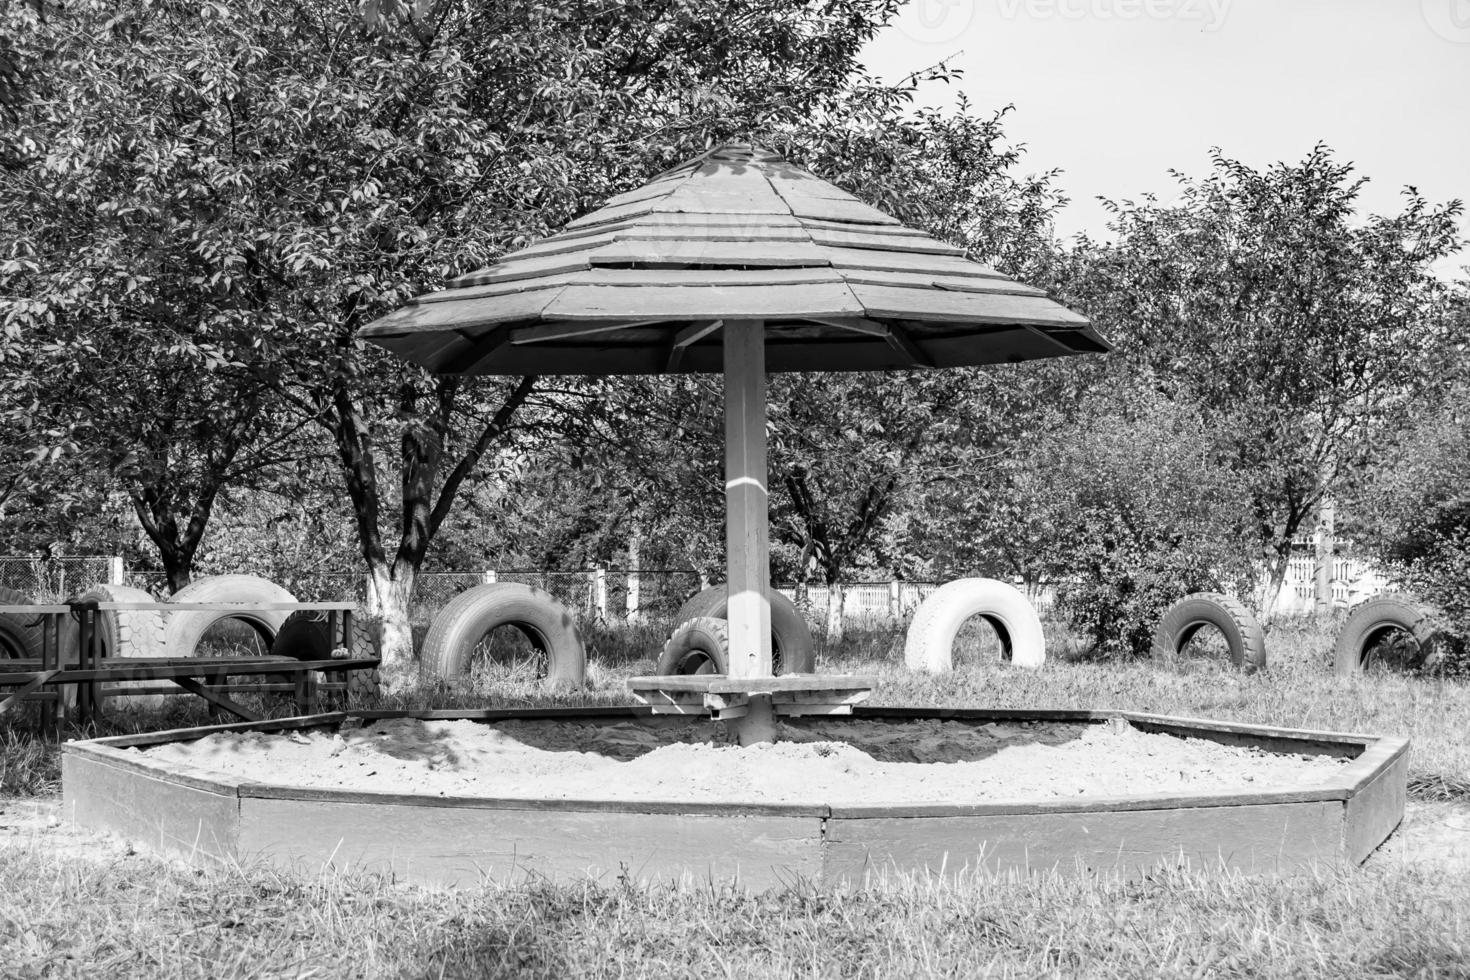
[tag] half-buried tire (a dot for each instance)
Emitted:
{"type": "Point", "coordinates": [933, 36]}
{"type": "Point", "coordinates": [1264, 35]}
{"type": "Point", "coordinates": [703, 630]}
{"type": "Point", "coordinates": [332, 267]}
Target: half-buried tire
{"type": "Point", "coordinates": [546, 623]}
{"type": "Point", "coordinates": [1243, 634]}
{"type": "Point", "coordinates": [21, 636]}
{"type": "Point", "coordinates": [793, 650]}
{"type": "Point", "coordinates": [187, 627]}
{"type": "Point", "coordinates": [20, 633]}
{"type": "Point", "coordinates": [929, 645]}
{"type": "Point", "coordinates": [1376, 620]}
{"type": "Point", "coordinates": [699, 646]}
{"type": "Point", "coordinates": [128, 633]}
{"type": "Point", "coordinates": [306, 635]}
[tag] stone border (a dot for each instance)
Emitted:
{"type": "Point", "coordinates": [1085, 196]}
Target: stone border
{"type": "Point", "coordinates": [209, 818]}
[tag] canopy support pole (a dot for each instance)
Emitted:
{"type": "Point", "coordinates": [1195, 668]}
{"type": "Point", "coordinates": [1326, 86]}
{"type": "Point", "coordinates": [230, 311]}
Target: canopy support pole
{"type": "Point", "coordinates": [747, 543]}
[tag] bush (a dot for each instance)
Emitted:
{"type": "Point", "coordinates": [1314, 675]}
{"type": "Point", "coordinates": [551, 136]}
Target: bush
{"type": "Point", "coordinates": [1145, 511]}
{"type": "Point", "coordinates": [1416, 508]}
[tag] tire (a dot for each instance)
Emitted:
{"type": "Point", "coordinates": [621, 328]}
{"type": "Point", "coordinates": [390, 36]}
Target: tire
{"type": "Point", "coordinates": [187, 628]}
{"type": "Point", "coordinates": [1242, 631]}
{"type": "Point", "coordinates": [699, 646]}
{"type": "Point", "coordinates": [21, 637]}
{"type": "Point", "coordinates": [20, 634]}
{"type": "Point", "coordinates": [1369, 623]}
{"type": "Point", "coordinates": [305, 636]}
{"type": "Point", "coordinates": [929, 645]}
{"type": "Point", "coordinates": [471, 614]}
{"type": "Point", "coordinates": [793, 651]}
{"type": "Point", "coordinates": [127, 633]}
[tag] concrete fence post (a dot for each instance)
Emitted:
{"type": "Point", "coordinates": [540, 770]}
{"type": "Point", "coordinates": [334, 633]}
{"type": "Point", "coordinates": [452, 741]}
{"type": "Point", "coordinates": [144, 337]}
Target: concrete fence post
{"type": "Point", "coordinates": [631, 602]}
{"type": "Point", "coordinates": [599, 593]}
{"type": "Point", "coordinates": [895, 601]}
{"type": "Point", "coordinates": [488, 576]}
{"type": "Point", "coordinates": [116, 574]}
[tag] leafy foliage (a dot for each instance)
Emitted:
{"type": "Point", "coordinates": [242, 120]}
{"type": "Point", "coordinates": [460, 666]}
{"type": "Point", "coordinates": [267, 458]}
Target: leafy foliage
{"type": "Point", "coordinates": [1414, 510]}
{"type": "Point", "coordinates": [1298, 329]}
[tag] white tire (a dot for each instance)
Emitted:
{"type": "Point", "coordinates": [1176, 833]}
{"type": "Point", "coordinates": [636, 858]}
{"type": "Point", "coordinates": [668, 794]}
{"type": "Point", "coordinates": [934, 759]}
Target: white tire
{"type": "Point", "coordinates": [929, 645]}
{"type": "Point", "coordinates": [187, 627]}
{"type": "Point", "coordinates": [128, 633]}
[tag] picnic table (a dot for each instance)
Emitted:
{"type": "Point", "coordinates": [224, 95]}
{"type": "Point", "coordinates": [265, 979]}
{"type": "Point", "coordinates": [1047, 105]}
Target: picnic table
{"type": "Point", "coordinates": [83, 665]}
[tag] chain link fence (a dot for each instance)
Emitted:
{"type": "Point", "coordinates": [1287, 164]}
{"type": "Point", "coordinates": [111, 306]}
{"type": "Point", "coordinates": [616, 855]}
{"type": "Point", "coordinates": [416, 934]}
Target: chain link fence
{"type": "Point", "coordinates": [53, 579]}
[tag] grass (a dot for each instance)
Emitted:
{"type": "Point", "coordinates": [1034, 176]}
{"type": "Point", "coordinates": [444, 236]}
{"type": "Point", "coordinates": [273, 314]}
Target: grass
{"type": "Point", "coordinates": [136, 917]}
{"type": "Point", "coordinates": [133, 916]}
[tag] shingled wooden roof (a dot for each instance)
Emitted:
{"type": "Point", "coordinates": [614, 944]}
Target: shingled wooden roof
{"type": "Point", "coordinates": [642, 285]}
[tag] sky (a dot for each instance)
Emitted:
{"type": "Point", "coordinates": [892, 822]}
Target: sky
{"type": "Point", "coordinates": [1118, 92]}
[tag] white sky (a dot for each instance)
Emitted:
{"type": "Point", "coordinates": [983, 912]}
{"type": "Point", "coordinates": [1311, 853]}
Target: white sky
{"type": "Point", "coordinates": [1117, 92]}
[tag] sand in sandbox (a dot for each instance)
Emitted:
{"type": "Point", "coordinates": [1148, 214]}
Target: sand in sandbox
{"type": "Point", "coordinates": [851, 763]}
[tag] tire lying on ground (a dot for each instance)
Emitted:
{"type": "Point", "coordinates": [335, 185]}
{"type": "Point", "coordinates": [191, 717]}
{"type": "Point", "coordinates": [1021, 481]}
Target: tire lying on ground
{"type": "Point", "coordinates": [1375, 620]}
{"type": "Point", "coordinates": [545, 622]}
{"type": "Point", "coordinates": [1242, 631]}
{"type": "Point", "coordinates": [793, 651]}
{"type": "Point", "coordinates": [127, 632]}
{"type": "Point", "coordinates": [21, 636]}
{"type": "Point", "coordinates": [187, 627]}
{"type": "Point", "coordinates": [699, 646]}
{"type": "Point", "coordinates": [929, 645]}
{"type": "Point", "coordinates": [307, 635]}
{"type": "Point", "coordinates": [20, 633]}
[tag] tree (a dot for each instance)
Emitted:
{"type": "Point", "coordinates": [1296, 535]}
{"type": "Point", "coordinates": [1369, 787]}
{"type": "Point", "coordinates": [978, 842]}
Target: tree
{"type": "Point", "coordinates": [304, 167]}
{"type": "Point", "coordinates": [1413, 509]}
{"type": "Point", "coordinates": [1293, 323]}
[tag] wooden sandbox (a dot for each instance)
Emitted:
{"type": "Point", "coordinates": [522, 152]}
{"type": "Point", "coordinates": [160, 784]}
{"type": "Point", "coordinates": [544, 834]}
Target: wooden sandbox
{"type": "Point", "coordinates": [208, 817]}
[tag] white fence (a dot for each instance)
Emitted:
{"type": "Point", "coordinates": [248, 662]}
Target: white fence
{"type": "Point", "coordinates": [1352, 582]}
{"type": "Point", "coordinates": [621, 595]}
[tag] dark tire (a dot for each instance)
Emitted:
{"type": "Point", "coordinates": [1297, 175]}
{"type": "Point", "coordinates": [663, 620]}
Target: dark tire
{"type": "Point", "coordinates": [793, 651]}
{"type": "Point", "coordinates": [699, 646]}
{"type": "Point", "coordinates": [306, 636]}
{"type": "Point", "coordinates": [187, 628]}
{"type": "Point", "coordinates": [20, 633]}
{"type": "Point", "coordinates": [1373, 621]}
{"type": "Point", "coordinates": [21, 637]}
{"type": "Point", "coordinates": [546, 623]}
{"type": "Point", "coordinates": [1242, 631]}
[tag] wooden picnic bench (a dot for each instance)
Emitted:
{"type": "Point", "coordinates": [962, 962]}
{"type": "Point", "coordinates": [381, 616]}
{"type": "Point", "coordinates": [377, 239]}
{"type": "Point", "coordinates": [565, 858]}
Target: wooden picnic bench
{"type": "Point", "coordinates": [84, 666]}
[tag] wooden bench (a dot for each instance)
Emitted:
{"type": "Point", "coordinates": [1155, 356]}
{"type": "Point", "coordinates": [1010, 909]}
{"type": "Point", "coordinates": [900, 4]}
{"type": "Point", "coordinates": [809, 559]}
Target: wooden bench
{"type": "Point", "coordinates": [211, 678]}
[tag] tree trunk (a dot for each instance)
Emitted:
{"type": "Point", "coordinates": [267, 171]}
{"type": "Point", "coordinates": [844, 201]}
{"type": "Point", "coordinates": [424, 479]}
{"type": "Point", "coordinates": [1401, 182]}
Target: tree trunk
{"type": "Point", "coordinates": [177, 547]}
{"type": "Point", "coordinates": [389, 598]}
{"type": "Point", "coordinates": [1276, 568]}
{"type": "Point", "coordinates": [1326, 555]}
{"type": "Point", "coordinates": [834, 612]}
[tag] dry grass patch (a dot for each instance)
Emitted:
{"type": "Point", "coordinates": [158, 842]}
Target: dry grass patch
{"type": "Point", "coordinates": [135, 917]}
